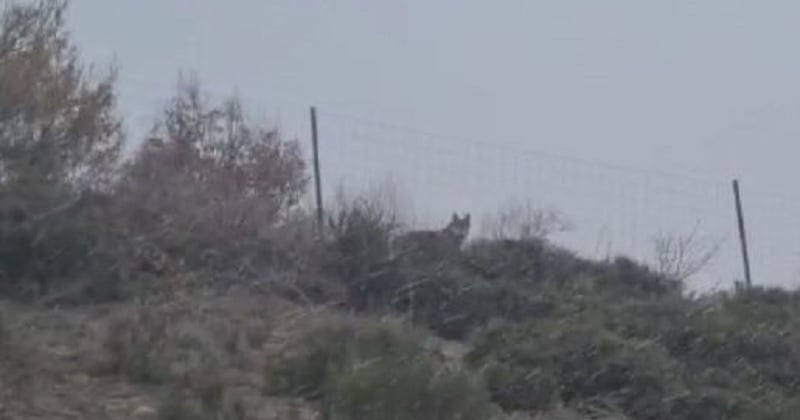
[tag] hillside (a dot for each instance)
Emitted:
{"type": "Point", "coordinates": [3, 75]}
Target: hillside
{"type": "Point", "coordinates": [514, 327]}
{"type": "Point", "coordinates": [188, 281]}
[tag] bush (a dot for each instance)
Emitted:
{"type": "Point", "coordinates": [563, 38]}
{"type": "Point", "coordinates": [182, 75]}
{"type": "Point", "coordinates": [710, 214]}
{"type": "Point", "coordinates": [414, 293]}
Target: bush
{"type": "Point", "coordinates": [214, 406]}
{"type": "Point", "coordinates": [59, 137]}
{"type": "Point", "coordinates": [754, 351]}
{"type": "Point", "coordinates": [397, 389]}
{"type": "Point", "coordinates": [532, 260]}
{"type": "Point", "coordinates": [212, 188]}
{"type": "Point", "coordinates": [374, 370]}
{"type": "Point", "coordinates": [357, 246]}
{"type": "Point", "coordinates": [193, 343]}
{"type": "Point", "coordinates": [76, 250]}
{"type": "Point", "coordinates": [305, 364]}
{"type": "Point", "coordinates": [535, 263]}
{"type": "Point", "coordinates": [537, 365]}
{"type": "Point", "coordinates": [212, 196]}
{"type": "Point", "coordinates": [657, 358]}
{"type": "Point", "coordinates": [512, 280]}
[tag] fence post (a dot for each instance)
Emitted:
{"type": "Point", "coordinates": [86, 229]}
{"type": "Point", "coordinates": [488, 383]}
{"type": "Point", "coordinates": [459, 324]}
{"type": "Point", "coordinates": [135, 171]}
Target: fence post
{"type": "Point", "coordinates": [742, 234]}
{"type": "Point", "coordinates": [317, 177]}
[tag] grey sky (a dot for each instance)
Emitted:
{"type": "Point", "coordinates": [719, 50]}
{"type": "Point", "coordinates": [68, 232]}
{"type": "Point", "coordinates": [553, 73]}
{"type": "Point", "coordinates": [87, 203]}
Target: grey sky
{"type": "Point", "coordinates": [708, 88]}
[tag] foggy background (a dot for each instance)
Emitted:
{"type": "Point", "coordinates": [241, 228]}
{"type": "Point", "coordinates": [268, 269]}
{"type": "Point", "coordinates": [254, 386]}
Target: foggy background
{"type": "Point", "coordinates": [629, 117]}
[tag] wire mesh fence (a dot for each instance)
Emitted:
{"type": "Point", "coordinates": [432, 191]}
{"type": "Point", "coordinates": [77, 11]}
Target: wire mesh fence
{"type": "Point", "coordinates": [611, 210]}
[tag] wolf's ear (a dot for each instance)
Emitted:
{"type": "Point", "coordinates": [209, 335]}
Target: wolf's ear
{"type": "Point", "coordinates": [467, 217]}
{"type": "Point", "coordinates": [455, 217]}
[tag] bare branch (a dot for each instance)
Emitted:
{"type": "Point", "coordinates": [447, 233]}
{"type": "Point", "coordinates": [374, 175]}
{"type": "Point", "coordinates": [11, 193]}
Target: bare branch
{"type": "Point", "coordinates": [524, 221]}
{"type": "Point", "coordinates": [683, 256]}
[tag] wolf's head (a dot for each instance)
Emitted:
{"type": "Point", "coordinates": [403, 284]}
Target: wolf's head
{"type": "Point", "coordinates": [458, 228]}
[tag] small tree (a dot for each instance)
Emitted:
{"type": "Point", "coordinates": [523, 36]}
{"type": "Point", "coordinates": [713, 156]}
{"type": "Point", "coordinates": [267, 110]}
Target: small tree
{"type": "Point", "coordinates": [56, 126]}
{"type": "Point", "coordinates": [59, 137]}
{"type": "Point", "coordinates": [209, 183]}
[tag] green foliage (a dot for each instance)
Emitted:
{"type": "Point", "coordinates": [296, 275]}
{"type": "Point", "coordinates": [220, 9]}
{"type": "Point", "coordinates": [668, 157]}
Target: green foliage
{"type": "Point", "coordinates": [210, 195]}
{"type": "Point", "coordinates": [57, 126]}
{"type": "Point", "coordinates": [533, 366]}
{"type": "Point", "coordinates": [357, 246]}
{"type": "Point", "coordinates": [365, 370]}
{"type": "Point", "coordinates": [59, 136]}
{"type": "Point", "coordinates": [658, 358]}
{"type": "Point", "coordinates": [326, 349]}
{"type": "Point", "coordinates": [215, 193]}
{"type": "Point", "coordinates": [397, 389]}
{"type": "Point", "coordinates": [212, 188]}
{"type": "Point", "coordinates": [67, 249]}
{"type": "Point", "coordinates": [180, 407]}
{"type": "Point", "coordinates": [512, 280]}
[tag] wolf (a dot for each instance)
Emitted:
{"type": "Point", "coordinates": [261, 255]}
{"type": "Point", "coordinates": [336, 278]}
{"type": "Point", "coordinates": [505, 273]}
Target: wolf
{"type": "Point", "coordinates": [434, 243]}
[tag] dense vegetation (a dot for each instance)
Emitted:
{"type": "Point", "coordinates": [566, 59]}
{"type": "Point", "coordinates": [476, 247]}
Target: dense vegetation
{"type": "Point", "coordinates": [212, 203]}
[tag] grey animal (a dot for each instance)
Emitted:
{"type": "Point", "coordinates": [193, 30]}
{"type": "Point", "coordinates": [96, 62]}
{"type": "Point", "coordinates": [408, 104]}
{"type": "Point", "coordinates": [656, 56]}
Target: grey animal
{"type": "Point", "coordinates": [434, 243]}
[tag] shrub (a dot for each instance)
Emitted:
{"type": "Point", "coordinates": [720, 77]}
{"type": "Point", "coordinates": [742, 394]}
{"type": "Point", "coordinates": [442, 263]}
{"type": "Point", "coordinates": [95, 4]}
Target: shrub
{"type": "Point", "coordinates": [212, 187]}
{"type": "Point", "coordinates": [397, 389]}
{"type": "Point", "coordinates": [658, 358]}
{"type": "Point", "coordinates": [306, 363]}
{"type": "Point", "coordinates": [218, 406]}
{"type": "Point", "coordinates": [537, 365]}
{"type": "Point", "coordinates": [755, 351]}
{"type": "Point", "coordinates": [58, 128]}
{"type": "Point", "coordinates": [75, 250]}
{"type": "Point", "coordinates": [535, 263]}
{"type": "Point", "coordinates": [644, 318]}
{"type": "Point", "coordinates": [625, 277]}
{"type": "Point", "coordinates": [192, 343]}
{"type": "Point", "coordinates": [452, 301]}
{"type": "Point", "coordinates": [532, 260]}
{"type": "Point", "coordinates": [515, 280]}
{"type": "Point", "coordinates": [357, 245]}
{"type": "Point", "coordinates": [59, 136]}
{"type": "Point", "coordinates": [135, 346]}
{"type": "Point", "coordinates": [374, 370]}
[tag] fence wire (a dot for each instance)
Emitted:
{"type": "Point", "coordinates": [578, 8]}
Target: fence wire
{"type": "Point", "coordinates": [612, 210]}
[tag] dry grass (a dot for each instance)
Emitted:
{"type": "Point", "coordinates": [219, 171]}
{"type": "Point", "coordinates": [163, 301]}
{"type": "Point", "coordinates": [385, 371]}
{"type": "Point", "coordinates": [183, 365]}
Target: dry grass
{"type": "Point", "coordinates": [16, 364]}
{"type": "Point", "coordinates": [203, 357]}
{"type": "Point", "coordinates": [197, 357]}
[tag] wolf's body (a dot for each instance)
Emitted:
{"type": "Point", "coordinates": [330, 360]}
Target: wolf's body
{"type": "Point", "coordinates": [434, 243]}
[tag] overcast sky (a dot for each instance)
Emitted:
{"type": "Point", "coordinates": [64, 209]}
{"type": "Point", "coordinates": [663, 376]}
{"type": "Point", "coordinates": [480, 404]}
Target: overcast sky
{"type": "Point", "coordinates": [708, 88]}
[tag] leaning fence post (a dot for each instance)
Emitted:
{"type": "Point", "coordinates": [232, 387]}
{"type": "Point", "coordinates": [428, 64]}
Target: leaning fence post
{"type": "Point", "coordinates": [317, 177]}
{"type": "Point", "coordinates": [742, 234]}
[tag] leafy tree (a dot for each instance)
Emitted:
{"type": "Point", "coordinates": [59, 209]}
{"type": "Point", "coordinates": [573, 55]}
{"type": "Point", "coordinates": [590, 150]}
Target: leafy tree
{"type": "Point", "coordinates": [59, 137]}
{"type": "Point", "coordinates": [57, 126]}
{"type": "Point", "coordinates": [210, 185]}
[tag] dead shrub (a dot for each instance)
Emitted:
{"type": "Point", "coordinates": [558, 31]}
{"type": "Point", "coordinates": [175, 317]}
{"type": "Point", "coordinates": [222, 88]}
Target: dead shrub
{"type": "Point", "coordinates": [524, 221]}
{"type": "Point", "coordinates": [192, 343]}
